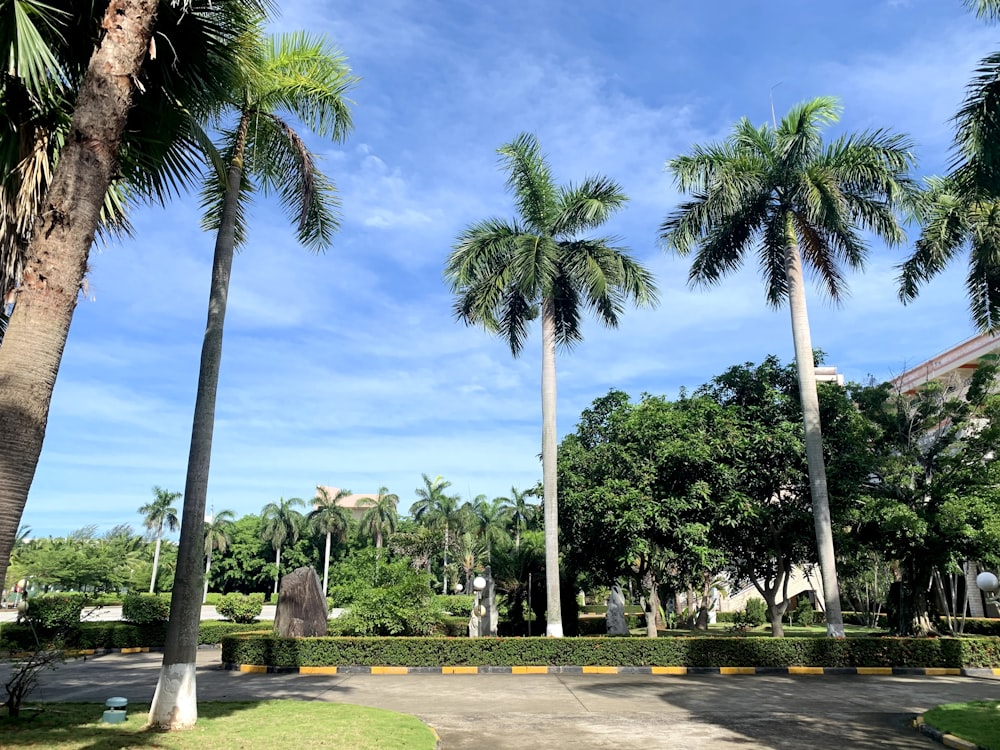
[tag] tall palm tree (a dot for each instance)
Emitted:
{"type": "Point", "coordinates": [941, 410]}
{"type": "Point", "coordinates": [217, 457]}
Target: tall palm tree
{"type": "Point", "coordinates": [218, 535]}
{"type": "Point", "coordinates": [332, 519]}
{"type": "Point", "coordinates": [962, 211]}
{"type": "Point", "coordinates": [504, 271]}
{"type": "Point", "coordinates": [281, 523]}
{"type": "Point", "coordinates": [781, 194]}
{"type": "Point", "coordinates": [116, 90]}
{"type": "Point", "coordinates": [291, 75]}
{"type": "Point", "coordinates": [381, 517]}
{"type": "Point", "coordinates": [435, 508]}
{"type": "Point", "coordinates": [158, 516]}
{"type": "Point", "coordinates": [520, 514]}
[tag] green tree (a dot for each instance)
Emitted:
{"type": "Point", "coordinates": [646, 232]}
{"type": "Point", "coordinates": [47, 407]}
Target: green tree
{"type": "Point", "coordinates": [783, 195]}
{"type": "Point", "coordinates": [331, 519]}
{"type": "Point", "coordinates": [291, 75]}
{"type": "Point", "coordinates": [503, 272]}
{"type": "Point", "coordinates": [933, 499]}
{"type": "Point", "coordinates": [381, 518]}
{"type": "Point", "coordinates": [160, 515]}
{"type": "Point", "coordinates": [119, 84]}
{"type": "Point", "coordinates": [643, 485]}
{"type": "Point", "coordinates": [281, 523]}
{"type": "Point", "coordinates": [218, 530]}
{"type": "Point", "coordinates": [437, 509]}
{"type": "Point", "coordinates": [242, 567]}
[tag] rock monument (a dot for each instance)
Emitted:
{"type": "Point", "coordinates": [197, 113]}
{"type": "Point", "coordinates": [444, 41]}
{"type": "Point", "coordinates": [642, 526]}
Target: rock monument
{"type": "Point", "coordinates": [301, 610]}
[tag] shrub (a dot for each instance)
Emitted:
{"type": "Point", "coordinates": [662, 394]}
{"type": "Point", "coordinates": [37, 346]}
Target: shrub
{"type": "Point", "coordinates": [804, 614]}
{"type": "Point", "coordinates": [144, 608]}
{"type": "Point", "coordinates": [457, 604]}
{"type": "Point", "coordinates": [755, 612]}
{"type": "Point", "coordinates": [52, 611]}
{"type": "Point", "coordinates": [639, 652]}
{"type": "Point", "coordinates": [240, 608]}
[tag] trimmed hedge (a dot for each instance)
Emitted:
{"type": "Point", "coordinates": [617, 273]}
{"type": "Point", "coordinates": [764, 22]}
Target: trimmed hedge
{"type": "Point", "coordinates": [101, 635]}
{"type": "Point", "coordinates": [686, 652]}
{"type": "Point", "coordinates": [595, 626]}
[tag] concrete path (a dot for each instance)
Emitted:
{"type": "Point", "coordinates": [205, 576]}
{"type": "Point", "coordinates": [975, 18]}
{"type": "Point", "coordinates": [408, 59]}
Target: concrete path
{"type": "Point", "coordinates": [581, 712]}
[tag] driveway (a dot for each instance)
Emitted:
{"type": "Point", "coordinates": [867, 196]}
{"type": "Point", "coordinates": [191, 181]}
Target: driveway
{"type": "Point", "coordinates": [582, 712]}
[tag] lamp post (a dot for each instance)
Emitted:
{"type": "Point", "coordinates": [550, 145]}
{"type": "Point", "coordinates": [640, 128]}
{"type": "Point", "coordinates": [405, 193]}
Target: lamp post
{"type": "Point", "coordinates": [988, 584]}
{"type": "Point", "coordinates": [478, 610]}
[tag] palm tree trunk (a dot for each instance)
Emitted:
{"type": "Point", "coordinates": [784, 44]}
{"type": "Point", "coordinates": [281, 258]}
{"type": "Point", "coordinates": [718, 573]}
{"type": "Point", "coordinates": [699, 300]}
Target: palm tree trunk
{"type": "Point", "coordinates": [156, 563]}
{"type": "Point", "coordinates": [444, 573]}
{"type": "Point", "coordinates": [277, 569]}
{"type": "Point", "coordinates": [553, 626]}
{"type": "Point", "coordinates": [326, 566]}
{"type": "Point", "coordinates": [57, 256]}
{"type": "Point", "coordinates": [175, 703]}
{"type": "Point", "coordinates": [208, 568]}
{"type": "Point", "coordinates": [806, 365]}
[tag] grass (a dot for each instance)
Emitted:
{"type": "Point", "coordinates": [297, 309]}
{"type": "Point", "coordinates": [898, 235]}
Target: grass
{"type": "Point", "coordinates": [978, 721]}
{"type": "Point", "coordinates": [221, 726]}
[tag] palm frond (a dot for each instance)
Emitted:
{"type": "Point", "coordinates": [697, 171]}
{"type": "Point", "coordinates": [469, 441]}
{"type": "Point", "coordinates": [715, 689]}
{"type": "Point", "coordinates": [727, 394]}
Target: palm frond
{"type": "Point", "coordinates": [988, 9]}
{"type": "Point", "coordinates": [586, 206]}
{"type": "Point", "coordinates": [945, 217]}
{"type": "Point", "coordinates": [31, 34]}
{"type": "Point", "coordinates": [977, 139]}
{"type": "Point", "coordinates": [530, 181]}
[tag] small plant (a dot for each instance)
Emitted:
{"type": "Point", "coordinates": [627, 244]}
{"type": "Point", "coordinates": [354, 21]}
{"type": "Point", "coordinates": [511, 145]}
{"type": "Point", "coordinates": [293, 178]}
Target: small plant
{"type": "Point", "coordinates": [240, 608]}
{"type": "Point", "coordinates": [755, 612]}
{"type": "Point", "coordinates": [143, 609]}
{"type": "Point", "coordinates": [804, 614]}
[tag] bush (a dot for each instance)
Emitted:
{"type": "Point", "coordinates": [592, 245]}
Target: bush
{"type": "Point", "coordinates": [457, 604]}
{"type": "Point", "coordinates": [804, 615]}
{"type": "Point", "coordinates": [112, 635]}
{"type": "Point", "coordinates": [597, 626]}
{"type": "Point", "coordinates": [639, 652]}
{"type": "Point", "coordinates": [145, 608]}
{"type": "Point", "coordinates": [240, 608]}
{"type": "Point", "coordinates": [755, 612]}
{"type": "Point", "coordinates": [53, 611]}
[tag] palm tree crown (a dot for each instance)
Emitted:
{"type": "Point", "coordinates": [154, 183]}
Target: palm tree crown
{"type": "Point", "coordinates": [782, 194]}
{"type": "Point", "coordinates": [331, 519]}
{"type": "Point", "coordinates": [158, 515]}
{"type": "Point", "coordinates": [381, 517]}
{"type": "Point", "coordinates": [281, 523]}
{"type": "Point", "coordinates": [766, 188]}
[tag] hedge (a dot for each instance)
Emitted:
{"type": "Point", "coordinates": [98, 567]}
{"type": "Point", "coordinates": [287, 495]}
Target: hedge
{"type": "Point", "coordinates": [269, 650]}
{"type": "Point", "coordinates": [102, 635]}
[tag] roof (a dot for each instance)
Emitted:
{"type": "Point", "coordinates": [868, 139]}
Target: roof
{"type": "Point", "coordinates": [964, 356]}
{"type": "Point", "coordinates": [353, 501]}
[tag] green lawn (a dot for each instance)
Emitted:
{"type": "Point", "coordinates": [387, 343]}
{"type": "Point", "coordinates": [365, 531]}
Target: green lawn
{"type": "Point", "coordinates": [978, 721]}
{"type": "Point", "coordinates": [245, 725]}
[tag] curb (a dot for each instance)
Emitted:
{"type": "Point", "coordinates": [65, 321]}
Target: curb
{"type": "Point", "coordinates": [948, 740]}
{"type": "Point", "coordinates": [673, 671]}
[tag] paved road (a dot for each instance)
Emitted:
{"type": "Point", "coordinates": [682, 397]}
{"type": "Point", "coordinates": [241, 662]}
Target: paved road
{"type": "Point", "coordinates": [582, 712]}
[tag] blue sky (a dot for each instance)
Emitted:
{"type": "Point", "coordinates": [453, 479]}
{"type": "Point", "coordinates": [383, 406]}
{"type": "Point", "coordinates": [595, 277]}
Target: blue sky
{"type": "Point", "coordinates": [349, 369]}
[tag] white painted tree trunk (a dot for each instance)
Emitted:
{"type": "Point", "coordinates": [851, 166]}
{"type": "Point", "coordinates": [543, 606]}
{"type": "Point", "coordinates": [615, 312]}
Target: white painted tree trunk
{"type": "Point", "coordinates": [806, 366]}
{"type": "Point", "coordinates": [277, 569]}
{"type": "Point", "coordinates": [326, 566]}
{"type": "Point", "coordinates": [553, 625]}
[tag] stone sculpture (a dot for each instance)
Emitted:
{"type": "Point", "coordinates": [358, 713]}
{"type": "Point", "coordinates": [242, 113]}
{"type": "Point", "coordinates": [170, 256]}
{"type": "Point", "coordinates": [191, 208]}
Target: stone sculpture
{"type": "Point", "coordinates": [301, 611]}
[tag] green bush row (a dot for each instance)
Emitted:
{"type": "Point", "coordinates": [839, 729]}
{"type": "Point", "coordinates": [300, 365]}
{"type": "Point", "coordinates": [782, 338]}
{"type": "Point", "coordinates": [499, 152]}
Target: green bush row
{"type": "Point", "coordinates": [100, 635]}
{"type": "Point", "coordinates": [592, 626]}
{"type": "Point", "coordinates": [600, 609]}
{"type": "Point", "coordinates": [240, 608]}
{"type": "Point", "coordinates": [688, 652]}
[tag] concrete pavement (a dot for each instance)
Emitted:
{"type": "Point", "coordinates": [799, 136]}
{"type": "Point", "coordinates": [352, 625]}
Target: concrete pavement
{"type": "Point", "coordinates": [504, 712]}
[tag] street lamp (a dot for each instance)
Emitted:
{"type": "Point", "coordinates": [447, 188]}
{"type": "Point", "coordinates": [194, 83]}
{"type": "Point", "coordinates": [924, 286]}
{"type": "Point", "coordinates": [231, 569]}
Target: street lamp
{"type": "Point", "coordinates": [988, 584]}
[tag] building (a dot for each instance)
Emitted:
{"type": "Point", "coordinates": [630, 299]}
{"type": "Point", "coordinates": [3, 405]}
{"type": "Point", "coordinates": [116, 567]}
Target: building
{"type": "Point", "coordinates": [357, 504]}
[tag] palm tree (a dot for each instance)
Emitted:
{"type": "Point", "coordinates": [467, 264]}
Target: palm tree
{"type": "Point", "coordinates": [281, 523]}
{"type": "Point", "coordinates": [780, 193]}
{"type": "Point", "coordinates": [159, 515]}
{"type": "Point", "coordinates": [491, 522]}
{"type": "Point", "coordinates": [435, 508]}
{"type": "Point", "coordinates": [381, 518]}
{"type": "Point", "coordinates": [218, 530]}
{"type": "Point", "coordinates": [520, 514]}
{"type": "Point", "coordinates": [330, 518]}
{"type": "Point", "coordinates": [289, 75]}
{"type": "Point", "coordinates": [962, 211]}
{"type": "Point", "coordinates": [502, 272]}
{"type": "Point", "coordinates": [114, 91]}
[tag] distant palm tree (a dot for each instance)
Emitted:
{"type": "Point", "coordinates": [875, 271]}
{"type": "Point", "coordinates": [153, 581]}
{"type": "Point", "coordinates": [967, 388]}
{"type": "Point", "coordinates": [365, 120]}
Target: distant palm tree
{"type": "Point", "coordinates": [781, 195]}
{"type": "Point", "coordinates": [491, 522]}
{"type": "Point", "coordinates": [157, 516]}
{"type": "Point", "coordinates": [435, 508]}
{"type": "Point", "coordinates": [503, 273]}
{"type": "Point", "coordinates": [330, 518]}
{"type": "Point", "coordinates": [218, 535]}
{"type": "Point", "coordinates": [381, 518]}
{"type": "Point", "coordinates": [520, 514]}
{"type": "Point", "coordinates": [281, 523]}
